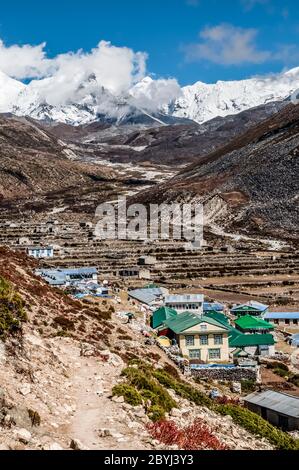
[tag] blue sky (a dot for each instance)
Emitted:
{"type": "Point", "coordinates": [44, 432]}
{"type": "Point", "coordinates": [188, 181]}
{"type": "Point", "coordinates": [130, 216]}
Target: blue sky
{"type": "Point", "coordinates": [190, 40]}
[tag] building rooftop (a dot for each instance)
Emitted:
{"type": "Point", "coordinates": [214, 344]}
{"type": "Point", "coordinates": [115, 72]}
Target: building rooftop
{"type": "Point", "coordinates": [243, 341]}
{"type": "Point", "coordinates": [252, 323]}
{"type": "Point", "coordinates": [281, 316]}
{"type": "Point", "coordinates": [161, 315]}
{"type": "Point", "coordinates": [186, 320]}
{"type": "Point", "coordinates": [220, 317]}
{"type": "Point", "coordinates": [276, 401]}
{"type": "Point", "coordinates": [185, 298]}
{"type": "Point", "coordinates": [40, 248]}
{"type": "Point", "coordinates": [146, 296]}
{"type": "Point", "coordinates": [252, 305]}
{"type": "Point", "coordinates": [216, 307]}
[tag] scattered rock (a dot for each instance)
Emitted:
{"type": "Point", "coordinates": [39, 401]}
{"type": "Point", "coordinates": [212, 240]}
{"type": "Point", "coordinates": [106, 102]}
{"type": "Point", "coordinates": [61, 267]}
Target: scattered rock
{"type": "Point", "coordinates": [118, 399]}
{"type": "Point", "coordinates": [25, 389]}
{"type": "Point", "coordinates": [77, 445]}
{"type": "Point", "coordinates": [54, 446]}
{"type": "Point", "coordinates": [104, 433]}
{"type": "Point", "coordinates": [176, 413]}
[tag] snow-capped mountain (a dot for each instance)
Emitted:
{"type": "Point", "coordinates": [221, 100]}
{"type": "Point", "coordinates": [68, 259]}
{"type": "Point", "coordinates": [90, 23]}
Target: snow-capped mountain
{"type": "Point", "coordinates": [9, 92]}
{"type": "Point", "coordinates": [159, 101]}
{"type": "Point", "coordinates": [202, 102]}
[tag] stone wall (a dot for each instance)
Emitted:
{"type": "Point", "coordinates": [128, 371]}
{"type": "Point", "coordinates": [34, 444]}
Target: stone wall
{"type": "Point", "coordinates": [230, 375]}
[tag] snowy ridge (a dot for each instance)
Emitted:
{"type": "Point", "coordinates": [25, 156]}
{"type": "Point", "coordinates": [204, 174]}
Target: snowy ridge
{"type": "Point", "coordinates": [88, 101]}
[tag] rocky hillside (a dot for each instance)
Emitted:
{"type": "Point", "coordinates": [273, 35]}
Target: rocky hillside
{"type": "Point", "coordinates": [32, 161]}
{"type": "Point", "coordinates": [255, 174]}
{"type": "Point", "coordinates": [61, 385]}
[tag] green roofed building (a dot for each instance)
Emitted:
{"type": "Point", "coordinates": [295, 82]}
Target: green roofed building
{"type": "Point", "coordinates": [249, 324]}
{"type": "Point", "coordinates": [200, 337]}
{"type": "Point", "coordinates": [253, 344]}
{"type": "Point", "coordinates": [252, 308]}
{"type": "Point", "coordinates": [218, 316]}
{"type": "Point", "coordinates": [161, 315]}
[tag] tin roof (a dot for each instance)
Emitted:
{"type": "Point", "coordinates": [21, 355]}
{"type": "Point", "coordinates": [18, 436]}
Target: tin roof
{"type": "Point", "coordinates": [185, 298]}
{"type": "Point", "coordinates": [243, 341]}
{"type": "Point", "coordinates": [162, 314]}
{"type": "Point", "coordinates": [281, 316]}
{"type": "Point", "coordinates": [252, 305]}
{"type": "Point", "coordinates": [146, 296]}
{"type": "Point", "coordinates": [186, 320]}
{"type": "Point", "coordinates": [252, 323]}
{"type": "Point", "coordinates": [207, 307]}
{"type": "Point", "coordinates": [218, 316]}
{"type": "Point", "coordinates": [276, 401]}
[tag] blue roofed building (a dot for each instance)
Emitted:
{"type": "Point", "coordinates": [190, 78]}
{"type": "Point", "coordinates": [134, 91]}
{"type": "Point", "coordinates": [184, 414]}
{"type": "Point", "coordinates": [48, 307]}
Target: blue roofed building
{"type": "Point", "coordinates": [215, 307]}
{"type": "Point", "coordinates": [283, 319]}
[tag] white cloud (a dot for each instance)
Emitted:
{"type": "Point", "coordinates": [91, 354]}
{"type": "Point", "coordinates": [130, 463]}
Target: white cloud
{"type": "Point", "coordinates": [96, 78]}
{"type": "Point", "coordinates": [226, 44]}
{"type": "Point", "coordinates": [153, 94]}
{"type": "Point", "coordinates": [24, 61]}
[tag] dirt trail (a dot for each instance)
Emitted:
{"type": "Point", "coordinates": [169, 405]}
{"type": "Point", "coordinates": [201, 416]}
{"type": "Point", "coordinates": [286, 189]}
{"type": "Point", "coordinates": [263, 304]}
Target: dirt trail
{"type": "Point", "coordinates": [92, 382]}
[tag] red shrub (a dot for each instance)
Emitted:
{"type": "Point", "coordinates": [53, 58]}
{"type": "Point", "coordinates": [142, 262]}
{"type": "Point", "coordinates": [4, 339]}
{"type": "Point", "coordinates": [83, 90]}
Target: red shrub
{"type": "Point", "coordinates": [227, 401]}
{"type": "Point", "coordinates": [197, 436]}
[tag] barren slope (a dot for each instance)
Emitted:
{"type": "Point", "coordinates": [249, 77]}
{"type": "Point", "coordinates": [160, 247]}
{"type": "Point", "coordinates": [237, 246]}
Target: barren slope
{"type": "Point", "coordinates": [256, 174]}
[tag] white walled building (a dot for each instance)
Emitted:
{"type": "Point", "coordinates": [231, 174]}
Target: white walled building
{"type": "Point", "coordinates": [185, 303]}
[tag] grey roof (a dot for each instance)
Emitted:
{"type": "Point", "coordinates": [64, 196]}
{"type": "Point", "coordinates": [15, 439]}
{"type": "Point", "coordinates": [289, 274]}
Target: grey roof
{"type": "Point", "coordinates": [184, 298]}
{"type": "Point", "coordinates": [279, 402]}
{"type": "Point", "coordinates": [282, 316]}
{"type": "Point", "coordinates": [146, 296]}
{"type": "Point", "coordinates": [69, 272]}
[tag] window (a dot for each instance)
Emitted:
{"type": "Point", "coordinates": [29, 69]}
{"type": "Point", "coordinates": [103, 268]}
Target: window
{"type": "Point", "coordinates": [276, 322]}
{"type": "Point", "coordinates": [189, 340]}
{"type": "Point", "coordinates": [194, 354]}
{"type": "Point", "coordinates": [214, 354]}
{"type": "Point", "coordinates": [295, 322]}
{"type": "Point", "coordinates": [203, 327]}
{"type": "Point", "coordinates": [204, 340]}
{"type": "Point", "coordinates": [218, 339]}
{"type": "Point", "coordinates": [287, 322]}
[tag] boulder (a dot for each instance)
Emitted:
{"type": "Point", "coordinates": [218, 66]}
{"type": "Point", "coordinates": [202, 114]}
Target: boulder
{"type": "Point", "coordinates": [22, 435]}
{"type": "Point", "coordinates": [77, 445]}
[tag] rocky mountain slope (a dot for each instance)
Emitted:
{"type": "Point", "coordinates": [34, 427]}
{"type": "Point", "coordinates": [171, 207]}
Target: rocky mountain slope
{"type": "Point", "coordinates": [255, 174]}
{"type": "Point", "coordinates": [147, 103]}
{"type": "Point", "coordinates": [35, 163]}
{"type": "Point", "coordinates": [172, 145]}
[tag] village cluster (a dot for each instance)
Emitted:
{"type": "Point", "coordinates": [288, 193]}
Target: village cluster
{"type": "Point", "coordinates": [205, 339]}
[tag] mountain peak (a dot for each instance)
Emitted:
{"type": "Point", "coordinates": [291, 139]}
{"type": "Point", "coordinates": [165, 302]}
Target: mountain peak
{"type": "Point", "coordinates": [200, 102]}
